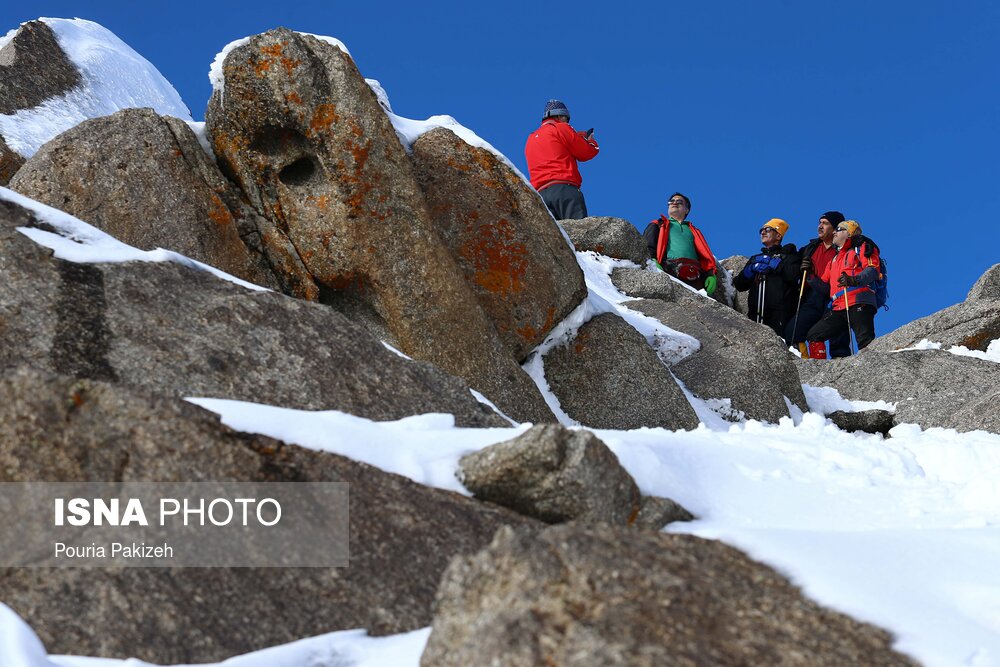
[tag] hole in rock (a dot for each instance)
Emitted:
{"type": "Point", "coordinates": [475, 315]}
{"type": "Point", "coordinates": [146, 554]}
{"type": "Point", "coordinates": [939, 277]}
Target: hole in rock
{"type": "Point", "coordinates": [298, 172]}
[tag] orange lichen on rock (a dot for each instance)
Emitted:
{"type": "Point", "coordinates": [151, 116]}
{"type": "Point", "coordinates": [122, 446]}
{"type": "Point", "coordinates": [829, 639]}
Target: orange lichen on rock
{"type": "Point", "coordinates": [979, 341]}
{"type": "Point", "coordinates": [322, 202]}
{"type": "Point", "coordinates": [293, 97]}
{"type": "Point", "coordinates": [485, 159]}
{"type": "Point", "coordinates": [461, 166]}
{"type": "Point", "coordinates": [229, 145]}
{"type": "Point", "coordinates": [530, 333]}
{"type": "Point", "coordinates": [273, 50]}
{"type": "Point", "coordinates": [323, 117]}
{"type": "Point", "coordinates": [219, 214]}
{"type": "Point", "coordinates": [261, 67]}
{"type": "Point", "coordinates": [273, 53]}
{"type": "Point", "coordinates": [499, 262]}
{"type": "Point", "coordinates": [360, 154]}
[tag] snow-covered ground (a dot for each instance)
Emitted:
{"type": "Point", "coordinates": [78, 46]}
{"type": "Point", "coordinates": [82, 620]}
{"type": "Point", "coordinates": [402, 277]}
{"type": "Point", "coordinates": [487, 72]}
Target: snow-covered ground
{"type": "Point", "coordinates": [903, 532]}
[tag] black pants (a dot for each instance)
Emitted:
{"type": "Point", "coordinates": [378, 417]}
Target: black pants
{"type": "Point", "coordinates": [834, 324]}
{"type": "Point", "coordinates": [772, 317]}
{"type": "Point", "coordinates": [810, 313]}
{"type": "Point", "coordinates": [565, 201]}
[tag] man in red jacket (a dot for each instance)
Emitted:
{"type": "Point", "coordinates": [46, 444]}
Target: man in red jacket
{"type": "Point", "coordinates": [552, 152]}
{"type": "Point", "coordinates": [816, 256]}
{"type": "Point", "coordinates": [849, 275]}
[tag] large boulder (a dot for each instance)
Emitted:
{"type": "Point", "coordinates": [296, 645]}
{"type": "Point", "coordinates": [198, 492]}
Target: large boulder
{"type": "Point", "coordinates": [305, 138]}
{"type": "Point", "coordinates": [34, 68]}
{"type": "Point", "coordinates": [739, 360]}
{"type": "Point", "coordinates": [402, 534]}
{"type": "Point", "coordinates": [144, 179]}
{"type": "Point", "coordinates": [609, 377]}
{"type": "Point", "coordinates": [175, 330]}
{"type": "Point", "coordinates": [575, 595]}
{"type": "Point", "coordinates": [655, 284]}
{"type": "Point", "coordinates": [511, 252]}
{"type": "Point", "coordinates": [974, 323]}
{"type": "Point", "coordinates": [643, 284]}
{"type": "Point", "coordinates": [929, 387]}
{"type": "Point", "coordinates": [556, 475]}
{"type": "Point", "coordinates": [614, 237]}
{"type": "Point", "coordinates": [988, 285]}
{"type": "Point", "coordinates": [10, 162]}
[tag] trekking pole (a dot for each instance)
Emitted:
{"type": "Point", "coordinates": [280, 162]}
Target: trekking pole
{"type": "Point", "coordinates": [798, 305]}
{"type": "Point", "coordinates": [760, 300]}
{"type": "Point", "coordinates": [850, 331]}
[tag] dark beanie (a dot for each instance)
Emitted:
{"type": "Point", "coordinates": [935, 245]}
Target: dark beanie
{"type": "Point", "coordinates": [555, 108]}
{"type": "Point", "coordinates": [835, 217]}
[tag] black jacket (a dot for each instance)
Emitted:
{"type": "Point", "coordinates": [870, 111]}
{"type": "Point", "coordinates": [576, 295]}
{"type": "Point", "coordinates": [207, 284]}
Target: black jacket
{"type": "Point", "coordinates": [780, 283]}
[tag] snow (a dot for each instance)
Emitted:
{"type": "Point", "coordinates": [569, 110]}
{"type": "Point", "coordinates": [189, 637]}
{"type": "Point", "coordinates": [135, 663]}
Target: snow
{"type": "Point", "coordinates": [114, 77]}
{"type": "Point", "coordinates": [824, 400]}
{"type": "Point", "coordinates": [992, 352]}
{"type": "Point", "coordinates": [20, 647]}
{"type": "Point", "coordinates": [903, 532]}
{"type": "Point", "coordinates": [76, 241]}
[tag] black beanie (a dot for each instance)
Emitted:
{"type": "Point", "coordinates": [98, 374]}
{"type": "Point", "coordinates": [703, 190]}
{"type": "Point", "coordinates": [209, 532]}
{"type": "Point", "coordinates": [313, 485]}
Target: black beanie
{"type": "Point", "coordinates": [835, 217]}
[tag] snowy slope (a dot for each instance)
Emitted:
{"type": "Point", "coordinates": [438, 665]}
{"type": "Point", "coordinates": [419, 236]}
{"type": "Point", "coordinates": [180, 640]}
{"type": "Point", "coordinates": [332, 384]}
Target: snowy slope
{"type": "Point", "coordinates": [903, 532]}
{"type": "Point", "coordinates": [114, 78]}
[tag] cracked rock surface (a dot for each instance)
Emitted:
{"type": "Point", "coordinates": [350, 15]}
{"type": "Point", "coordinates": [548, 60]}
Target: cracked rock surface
{"type": "Point", "coordinates": [178, 331]}
{"type": "Point", "coordinates": [144, 179]}
{"type": "Point", "coordinates": [929, 387]}
{"type": "Point", "coordinates": [576, 595]}
{"type": "Point", "coordinates": [402, 534]}
{"type": "Point", "coordinates": [739, 359]}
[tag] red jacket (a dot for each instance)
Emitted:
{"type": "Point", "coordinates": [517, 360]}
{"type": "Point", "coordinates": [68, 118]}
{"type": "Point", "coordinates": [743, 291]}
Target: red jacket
{"type": "Point", "coordinates": [852, 262]}
{"type": "Point", "coordinates": [552, 152]}
{"type": "Point", "coordinates": [657, 236]}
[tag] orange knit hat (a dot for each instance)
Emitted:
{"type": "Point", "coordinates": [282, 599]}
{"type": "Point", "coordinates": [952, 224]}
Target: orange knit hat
{"type": "Point", "coordinates": [777, 224]}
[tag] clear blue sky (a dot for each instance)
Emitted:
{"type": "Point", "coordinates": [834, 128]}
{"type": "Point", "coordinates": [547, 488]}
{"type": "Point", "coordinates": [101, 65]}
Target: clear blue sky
{"type": "Point", "coordinates": [887, 110]}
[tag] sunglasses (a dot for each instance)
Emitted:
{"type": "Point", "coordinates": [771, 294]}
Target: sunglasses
{"type": "Point", "coordinates": [842, 229]}
{"type": "Point", "coordinates": [676, 201]}
{"type": "Point", "coordinates": [768, 230]}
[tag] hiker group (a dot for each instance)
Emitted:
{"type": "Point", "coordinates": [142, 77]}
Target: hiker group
{"type": "Point", "coordinates": [825, 290]}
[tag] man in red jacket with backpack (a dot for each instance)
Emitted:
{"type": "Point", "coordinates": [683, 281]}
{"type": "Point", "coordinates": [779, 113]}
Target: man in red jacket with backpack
{"type": "Point", "coordinates": [850, 275]}
{"type": "Point", "coordinates": [552, 152]}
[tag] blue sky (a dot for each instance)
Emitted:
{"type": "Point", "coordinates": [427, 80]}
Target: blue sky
{"type": "Point", "coordinates": [887, 111]}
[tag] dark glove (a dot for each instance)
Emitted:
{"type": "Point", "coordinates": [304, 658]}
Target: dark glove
{"type": "Point", "coordinates": [847, 281]}
{"type": "Point", "coordinates": [806, 266]}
